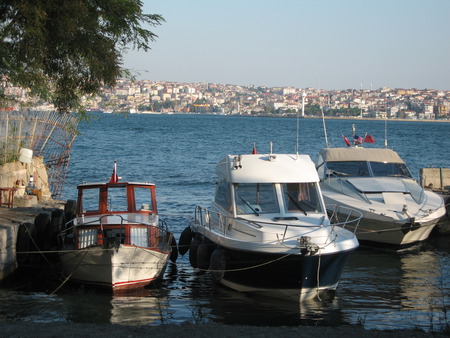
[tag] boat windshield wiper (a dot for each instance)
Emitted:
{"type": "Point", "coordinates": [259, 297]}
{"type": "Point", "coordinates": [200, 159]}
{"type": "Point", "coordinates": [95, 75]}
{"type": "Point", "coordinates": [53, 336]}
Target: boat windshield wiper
{"type": "Point", "coordinates": [248, 204]}
{"type": "Point", "coordinates": [296, 203]}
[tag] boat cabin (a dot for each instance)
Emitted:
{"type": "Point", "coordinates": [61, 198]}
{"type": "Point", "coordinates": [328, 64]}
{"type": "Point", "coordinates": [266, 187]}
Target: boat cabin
{"type": "Point", "coordinates": [111, 198]}
{"type": "Point", "coordinates": [361, 162]}
{"type": "Point", "coordinates": [268, 184]}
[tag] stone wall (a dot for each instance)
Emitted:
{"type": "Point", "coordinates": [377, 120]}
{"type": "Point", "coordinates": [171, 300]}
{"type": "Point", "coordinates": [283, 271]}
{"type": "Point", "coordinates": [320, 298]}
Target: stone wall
{"type": "Point", "coordinates": [17, 175]}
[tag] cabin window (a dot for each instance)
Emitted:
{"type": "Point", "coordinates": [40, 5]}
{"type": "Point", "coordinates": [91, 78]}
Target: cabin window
{"type": "Point", "coordinates": [301, 197]}
{"type": "Point", "coordinates": [222, 197]}
{"type": "Point", "coordinates": [390, 169]}
{"type": "Point", "coordinates": [90, 200]}
{"type": "Point", "coordinates": [348, 168]}
{"type": "Point", "coordinates": [117, 199]}
{"type": "Point", "coordinates": [256, 198]}
{"type": "Point", "coordinates": [143, 199]}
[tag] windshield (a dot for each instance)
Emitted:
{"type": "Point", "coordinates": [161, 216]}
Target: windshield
{"type": "Point", "coordinates": [301, 197]}
{"type": "Point", "coordinates": [367, 169]}
{"type": "Point", "coordinates": [255, 198]}
{"type": "Point", "coordinates": [347, 168]}
{"type": "Point", "coordinates": [389, 169]}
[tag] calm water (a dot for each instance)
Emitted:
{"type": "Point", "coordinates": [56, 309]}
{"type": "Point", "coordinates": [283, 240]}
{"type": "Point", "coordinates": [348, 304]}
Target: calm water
{"type": "Point", "coordinates": [379, 289]}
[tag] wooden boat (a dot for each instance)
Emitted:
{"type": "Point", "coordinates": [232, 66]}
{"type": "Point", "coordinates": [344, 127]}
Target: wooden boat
{"type": "Point", "coordinates": [267, 231]}
{"type": "Point", "coordinates": [116, 239]}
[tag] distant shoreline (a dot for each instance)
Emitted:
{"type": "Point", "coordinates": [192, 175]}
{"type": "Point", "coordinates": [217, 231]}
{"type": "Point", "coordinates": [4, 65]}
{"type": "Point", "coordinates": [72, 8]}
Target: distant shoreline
{"type": "Point", "coordinates": [293, 116]}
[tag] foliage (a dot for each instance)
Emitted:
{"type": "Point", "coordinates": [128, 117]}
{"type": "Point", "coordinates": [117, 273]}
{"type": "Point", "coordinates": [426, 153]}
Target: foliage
{"type": "Point", "coordinates": [63, 49]}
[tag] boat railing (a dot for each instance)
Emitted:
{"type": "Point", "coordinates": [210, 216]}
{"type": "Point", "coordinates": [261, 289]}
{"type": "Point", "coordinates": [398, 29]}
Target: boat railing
{"type": "Point", "coordinates": [94, 233]}
{"type": "Point", "coordinates": [344, 217]}
{"type": "Point", "coordinates": [210, 219]}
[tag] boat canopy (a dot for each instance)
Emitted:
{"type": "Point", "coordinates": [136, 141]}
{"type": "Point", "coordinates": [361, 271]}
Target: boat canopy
{"type": "Point", "coordinates": [360, 154]}
{"type": "Point", "coordinates": [267, 168]}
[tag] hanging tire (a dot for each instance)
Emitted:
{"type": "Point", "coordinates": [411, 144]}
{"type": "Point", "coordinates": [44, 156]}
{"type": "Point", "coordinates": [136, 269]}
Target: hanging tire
{"type": "Point", "coordinates": [193, 251]}
{"type": "Point", "coordinates": [70, 210]}
{"type": "Point", "coordinates": [58, 223]}
{"type": "Point", "coordinates": [42, 223]}
{"type": "Point", "coordinates": [204, 252]}
{"type": "Point", "coordinates": [174, 252]}
{"type": "Point", "coordinates": [24, 243]}
{"type": "Point", "coordinates": [185, 241]}
{"type": "Point", "coordinates": [217, 265]}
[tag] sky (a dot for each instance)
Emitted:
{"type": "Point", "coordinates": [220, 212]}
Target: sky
{"type": "Point", "coordinates": [326, 44]}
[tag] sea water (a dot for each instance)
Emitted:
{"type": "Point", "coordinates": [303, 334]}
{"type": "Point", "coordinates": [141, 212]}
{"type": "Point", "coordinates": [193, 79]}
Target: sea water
{"type": "Point", "coordinates": [379, 289]}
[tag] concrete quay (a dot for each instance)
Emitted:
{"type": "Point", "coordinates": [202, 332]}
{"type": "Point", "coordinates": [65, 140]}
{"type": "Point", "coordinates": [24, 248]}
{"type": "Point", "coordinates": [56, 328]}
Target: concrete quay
{"type": "Point", "coordinates": [29, 218]}
{"type": "Point", "coordinates": [26, 232]}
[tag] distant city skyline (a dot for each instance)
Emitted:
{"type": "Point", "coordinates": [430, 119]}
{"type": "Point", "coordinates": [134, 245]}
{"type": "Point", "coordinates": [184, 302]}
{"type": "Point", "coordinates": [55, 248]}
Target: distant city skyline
{"type": "Point", "coordinates": [328, 44]}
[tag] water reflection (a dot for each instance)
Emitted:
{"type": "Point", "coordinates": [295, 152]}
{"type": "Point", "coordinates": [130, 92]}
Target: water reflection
{"type": "Point", "coordinates": [379, 289]}
{"type": "Point", "coordinates": [143, 307]}
{"type": "Point", "coordinates": [387, 289]}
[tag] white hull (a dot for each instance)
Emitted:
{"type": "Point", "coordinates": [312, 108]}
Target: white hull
{"type": "Point", "coordinates": [122, 268]}
{"type": "Point", "coordinates": [386, 225]}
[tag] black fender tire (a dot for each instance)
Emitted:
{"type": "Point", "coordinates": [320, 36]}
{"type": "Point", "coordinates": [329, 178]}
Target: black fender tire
{"type": "Point", "coordinates": [42, 223]}
{"type": "Point", "coordinates": [70, 210]}
{"type": "Point", "coordinates": [174, 252]}
{"type": "Point", "coordinates": [193, 251]}
{"type": "Point", "coordinates": [185, 241]}
{"type": "Point", "coordinates": [217, 265]}
{"type": "Point", "coordinates": [26, 235]}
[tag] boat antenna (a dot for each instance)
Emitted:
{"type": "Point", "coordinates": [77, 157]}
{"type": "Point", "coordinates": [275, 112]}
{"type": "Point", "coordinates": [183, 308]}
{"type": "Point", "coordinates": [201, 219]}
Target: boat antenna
{"type": "Point", "coordinates": [323, 119]}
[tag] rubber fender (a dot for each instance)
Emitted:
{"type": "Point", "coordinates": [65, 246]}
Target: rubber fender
{"type": "Point", "coordinates": [43, 231]}
{"type": "Point", "coordinates": [174, 252]}
{"type": "Point", "coordinates": [70, 209]}
{"type": "Point", "coordinates": [184, 241]}
{"type": "Point", "coordinates": [204, 252]}
{"type": "Point", "coordinates": [203, 256]}
{"type": "Point", "coordinates": [58, 224]}
{"type": "Point", "coordinates": [217, 265]}
{"type": "Point", "coordinates": [24, 243]}
{"type": "Point", "coordinates": [193, 251]}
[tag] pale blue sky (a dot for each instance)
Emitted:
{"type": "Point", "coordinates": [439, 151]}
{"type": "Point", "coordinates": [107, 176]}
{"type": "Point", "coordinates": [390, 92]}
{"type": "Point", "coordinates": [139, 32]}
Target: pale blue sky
{"type": "Point", "coordinates": [331, 44]}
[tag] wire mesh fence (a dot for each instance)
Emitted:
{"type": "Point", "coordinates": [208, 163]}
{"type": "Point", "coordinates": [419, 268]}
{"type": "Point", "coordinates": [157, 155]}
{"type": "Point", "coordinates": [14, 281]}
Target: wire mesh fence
{"type": "Point", "coordinates": [47, 133]}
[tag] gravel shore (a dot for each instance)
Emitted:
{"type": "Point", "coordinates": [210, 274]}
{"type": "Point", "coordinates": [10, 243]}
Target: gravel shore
{"type": "Point", "coordinates": [27, 329]}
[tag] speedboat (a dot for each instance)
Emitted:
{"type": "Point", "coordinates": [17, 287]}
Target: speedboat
{"type": "Point", "coordinates": [267, 230]}
{"type": "Point", "coordinates": [116, 239]}
{"type": "Point", "coordinates": [396, 210]}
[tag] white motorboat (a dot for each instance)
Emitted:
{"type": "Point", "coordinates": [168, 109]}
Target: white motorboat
{"type": "Point", "coordinates": [396, 210]}
{"type": "Point", "coordinates": [267, 230]}
{"type": "Point", "coordinates": [117, 239]}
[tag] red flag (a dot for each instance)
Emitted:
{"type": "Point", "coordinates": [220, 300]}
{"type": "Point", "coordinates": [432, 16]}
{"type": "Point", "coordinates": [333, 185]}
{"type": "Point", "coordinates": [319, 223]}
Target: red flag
{"type": "Point", "coordinates": [369, 139]}
{"type": "Point", "coordinates": [114, 177]}
{"type": "Point", "coordinates": [254, 149]}
{"type": "Point", "coordinates": [347, 142]}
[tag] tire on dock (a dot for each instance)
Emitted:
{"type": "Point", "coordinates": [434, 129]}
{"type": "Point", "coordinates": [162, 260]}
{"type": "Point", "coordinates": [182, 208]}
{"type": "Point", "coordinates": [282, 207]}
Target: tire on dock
{"type": "Point", "coordinates": [70, 210]}
{"type": "Point", "coordinates": [58, 223]}
{"type": "Point", "coordinates": [26, 236]}
{"type": "Point", "coordinates": [43, 225]}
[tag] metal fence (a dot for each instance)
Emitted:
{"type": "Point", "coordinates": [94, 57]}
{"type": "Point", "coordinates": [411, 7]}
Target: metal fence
{"type": "Point", "coordinates": [48, 133]}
